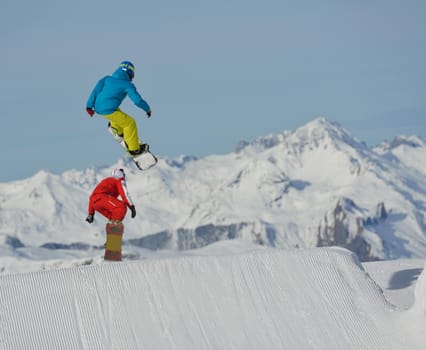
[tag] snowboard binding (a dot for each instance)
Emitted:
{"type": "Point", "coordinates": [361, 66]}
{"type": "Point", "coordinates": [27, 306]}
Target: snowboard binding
{"type": "Point", "coordinates": [116, 136]}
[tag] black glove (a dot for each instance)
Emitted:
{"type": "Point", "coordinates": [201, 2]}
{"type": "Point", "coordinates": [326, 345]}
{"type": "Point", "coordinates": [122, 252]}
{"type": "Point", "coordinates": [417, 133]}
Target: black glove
{"type": "Point", "coordinates": [148, 114]}
{"type": "Point", "coordinates": [89, 218]}
{"type": "Point", "coordinates": [133, 210]}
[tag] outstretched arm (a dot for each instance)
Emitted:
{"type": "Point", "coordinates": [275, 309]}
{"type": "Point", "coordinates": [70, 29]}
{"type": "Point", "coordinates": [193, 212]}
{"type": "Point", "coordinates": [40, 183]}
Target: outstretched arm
{"type": "Point", "coordinates": [137, 99]}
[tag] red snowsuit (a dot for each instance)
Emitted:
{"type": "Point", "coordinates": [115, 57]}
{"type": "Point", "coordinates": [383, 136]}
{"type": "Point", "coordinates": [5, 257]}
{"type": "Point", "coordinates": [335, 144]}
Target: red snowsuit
{"type": "Point", "coordinates": [104, 199]}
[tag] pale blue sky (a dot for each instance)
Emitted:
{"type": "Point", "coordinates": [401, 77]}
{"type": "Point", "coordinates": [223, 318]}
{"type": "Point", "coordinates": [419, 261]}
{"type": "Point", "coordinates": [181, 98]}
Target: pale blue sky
{"type": "Point", "coordinates": [214, 72]}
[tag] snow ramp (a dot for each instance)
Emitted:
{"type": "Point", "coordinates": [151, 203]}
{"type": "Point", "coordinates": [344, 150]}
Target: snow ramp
{"type": "Point", "coordinates": [272, 299]}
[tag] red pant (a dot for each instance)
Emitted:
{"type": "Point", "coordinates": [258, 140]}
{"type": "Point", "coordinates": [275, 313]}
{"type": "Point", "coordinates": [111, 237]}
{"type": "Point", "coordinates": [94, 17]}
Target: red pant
{"type": "Point", "coordinates": [110, 207]}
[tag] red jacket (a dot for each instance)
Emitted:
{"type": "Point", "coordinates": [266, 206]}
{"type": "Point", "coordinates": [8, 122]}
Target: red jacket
{"type": "Point", "coordinates": [113, 187]}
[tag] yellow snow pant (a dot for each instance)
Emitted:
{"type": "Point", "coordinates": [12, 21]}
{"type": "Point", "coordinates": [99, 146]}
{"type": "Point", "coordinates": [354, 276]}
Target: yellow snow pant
{"type": "Point", "coordinates": [126, 126]}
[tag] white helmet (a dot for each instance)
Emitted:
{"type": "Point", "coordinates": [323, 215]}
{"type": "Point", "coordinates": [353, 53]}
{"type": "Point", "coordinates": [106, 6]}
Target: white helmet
{"type": "Point", "coordinates": [118, 173]}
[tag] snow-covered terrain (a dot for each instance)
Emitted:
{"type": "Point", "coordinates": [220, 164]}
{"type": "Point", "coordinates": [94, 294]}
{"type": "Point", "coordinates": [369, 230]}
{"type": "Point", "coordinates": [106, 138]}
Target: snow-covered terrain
{"type": "Point", "coordinates": [223, 253]}
{"type": "Point", "coordinates": [314, 186]}
{"type": "Point", "coordinates": [258, 298]}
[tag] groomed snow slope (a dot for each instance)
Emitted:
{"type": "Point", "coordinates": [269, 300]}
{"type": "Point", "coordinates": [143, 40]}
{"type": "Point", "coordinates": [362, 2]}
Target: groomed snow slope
{"type": "Point", "coordinates": [306, 299]}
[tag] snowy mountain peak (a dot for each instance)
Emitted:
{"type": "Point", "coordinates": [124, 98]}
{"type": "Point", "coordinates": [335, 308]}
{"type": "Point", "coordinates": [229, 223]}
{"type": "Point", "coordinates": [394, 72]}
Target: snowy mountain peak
{"type": "Point", "coordinates": [320, 132]}
{"type": "Point", "coordinates": [409, 151]}
{"type": "Point", "coordinates": [323, 132]}
{"type": "Point", "coordinates": [402, 140]}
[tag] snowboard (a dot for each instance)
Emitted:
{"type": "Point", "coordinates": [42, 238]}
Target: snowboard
{"type": "Point", "coordinates": [114, 237]}
{"type": "Point", "coordinates": [143, 161]}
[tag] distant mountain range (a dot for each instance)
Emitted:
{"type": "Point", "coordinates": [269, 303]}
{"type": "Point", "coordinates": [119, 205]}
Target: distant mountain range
{"type": "Point", "coordinates": [314, 186]}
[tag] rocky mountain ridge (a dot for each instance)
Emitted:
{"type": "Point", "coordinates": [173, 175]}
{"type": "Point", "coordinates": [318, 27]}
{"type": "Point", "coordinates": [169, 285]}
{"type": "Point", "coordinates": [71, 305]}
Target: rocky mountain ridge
{"type": "Point", "coordinates": [314, 186]}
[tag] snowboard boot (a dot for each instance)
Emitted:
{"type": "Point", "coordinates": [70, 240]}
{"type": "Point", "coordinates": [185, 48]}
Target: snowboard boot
{"type": "Point", "coordinates": [144, 147]}
{"type": "Point", "coordinates": [113, 131]}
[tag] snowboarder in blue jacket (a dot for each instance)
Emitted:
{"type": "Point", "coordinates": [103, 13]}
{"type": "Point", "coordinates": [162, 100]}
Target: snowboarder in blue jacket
{"type": "Point", "coordinates": [105, 100]}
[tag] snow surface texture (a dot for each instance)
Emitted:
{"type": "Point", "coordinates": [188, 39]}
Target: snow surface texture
{"type": "Point", "coordinates": [265, 299]}
{"type": "Point", "coordinates": [315, 186]}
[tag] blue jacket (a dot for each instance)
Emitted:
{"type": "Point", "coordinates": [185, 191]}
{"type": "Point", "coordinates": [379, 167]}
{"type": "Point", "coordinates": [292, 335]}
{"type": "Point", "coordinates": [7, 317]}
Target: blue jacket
{"type": "Point", "coordinates": [110, 91]}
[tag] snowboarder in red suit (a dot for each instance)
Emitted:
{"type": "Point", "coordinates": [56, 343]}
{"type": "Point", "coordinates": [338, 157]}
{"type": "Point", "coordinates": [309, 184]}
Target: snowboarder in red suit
{"type": "Point", "coordinates": [104, 198]}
